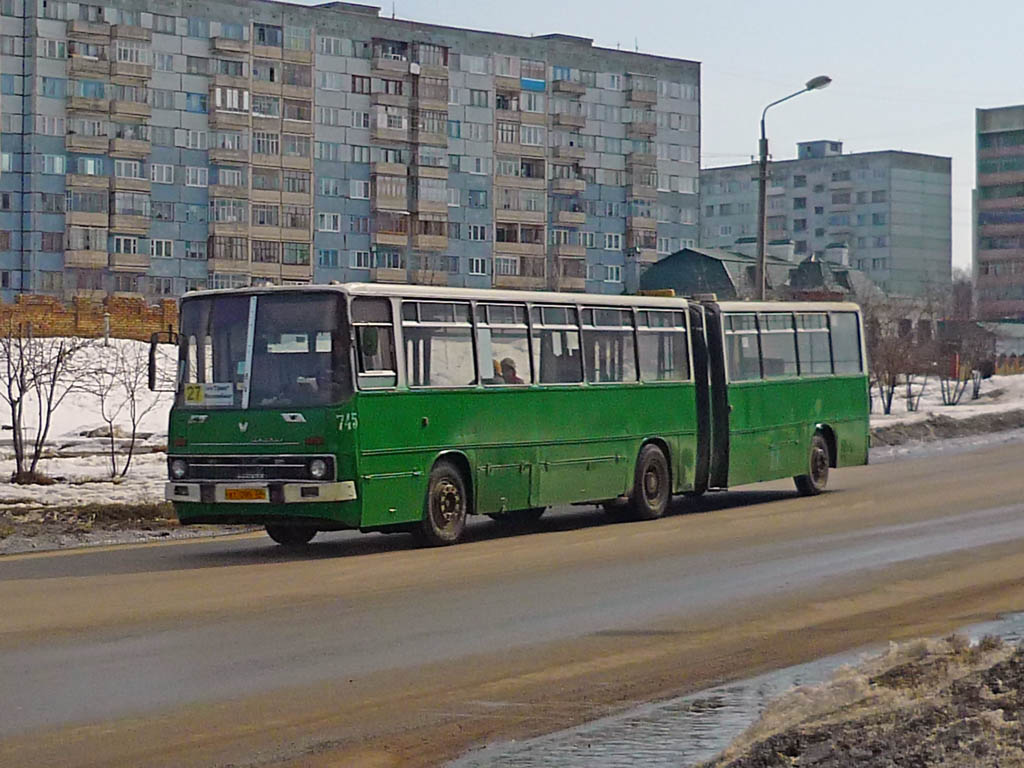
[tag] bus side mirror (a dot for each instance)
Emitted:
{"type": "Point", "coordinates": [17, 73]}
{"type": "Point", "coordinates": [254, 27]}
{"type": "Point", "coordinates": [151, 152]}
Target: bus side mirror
{"type": "Point", "coordinates": [161, 337]}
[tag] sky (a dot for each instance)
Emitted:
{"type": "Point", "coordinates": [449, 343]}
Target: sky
{"type": "Point", "coordinates": [906, 74]}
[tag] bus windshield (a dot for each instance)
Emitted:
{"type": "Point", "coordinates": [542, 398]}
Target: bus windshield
{"type": "Point", "coordinates": [298, 355]}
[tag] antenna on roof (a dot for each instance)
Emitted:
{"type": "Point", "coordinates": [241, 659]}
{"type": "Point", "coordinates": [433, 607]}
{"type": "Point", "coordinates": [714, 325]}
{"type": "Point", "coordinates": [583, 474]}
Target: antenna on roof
{"type": "Point", "coordinates": [392, 9]}
{"type": "Point", "coordinates": [636, 44]}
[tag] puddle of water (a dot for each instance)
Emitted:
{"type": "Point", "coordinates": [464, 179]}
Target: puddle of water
{"type": "Point", "coordinates": [684, 731]}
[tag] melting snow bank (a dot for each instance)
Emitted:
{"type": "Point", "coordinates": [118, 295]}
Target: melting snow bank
{"type": "Point", "coordinates": [945, 703]}
{"type": "Point", "coordinates": [935, 426]}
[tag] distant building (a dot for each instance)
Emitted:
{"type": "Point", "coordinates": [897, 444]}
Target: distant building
{"type": "Point", "coordinates": [886, 213]}
{"type": "Point", "coordinates": [999, 213]}
{"type": "Point", "coordinates": [156, 149]}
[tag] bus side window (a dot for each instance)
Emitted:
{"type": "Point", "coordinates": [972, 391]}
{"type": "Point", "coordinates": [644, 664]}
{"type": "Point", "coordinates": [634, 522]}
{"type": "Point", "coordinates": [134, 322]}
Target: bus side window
{"type": "Point", "coordinates": [556, 345]}
{"type": "Point", "coordinates": [813, 345]}
{"type": "Point", "coordinates": [438, 344]}
{"type": "Point", "coordinates": [661, 340]}
{"type": "Point", "coordinates": [503, 344]}
{"type": "Point", "coordinates": [609, 353]}
{"type": "Point", "coordinates": [375, 343]}
{"type": "Point", "coordinates": [846, 342]}
{"type": "Point", "coordinates": [741, 347]}
{"type": "Point", "coordinates": [778, 344]}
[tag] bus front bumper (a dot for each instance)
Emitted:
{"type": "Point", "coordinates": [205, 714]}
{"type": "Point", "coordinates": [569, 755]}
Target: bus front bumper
{"type": "Point", "coordinates": [259, 493]}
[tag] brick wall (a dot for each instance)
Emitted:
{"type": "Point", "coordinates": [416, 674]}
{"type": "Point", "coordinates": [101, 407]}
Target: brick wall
{"type": "Point", "coordinates": [130, 318]}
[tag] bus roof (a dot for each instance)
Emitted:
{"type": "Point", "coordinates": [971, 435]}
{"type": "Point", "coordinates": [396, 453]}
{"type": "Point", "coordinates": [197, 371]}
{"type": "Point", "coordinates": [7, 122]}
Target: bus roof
{"type": "Point", "coordinates": [534, 297]}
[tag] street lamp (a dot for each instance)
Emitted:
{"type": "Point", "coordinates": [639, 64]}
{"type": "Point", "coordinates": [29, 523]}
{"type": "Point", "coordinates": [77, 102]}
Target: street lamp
{"type": "Point", "coordinates": [814, 84]}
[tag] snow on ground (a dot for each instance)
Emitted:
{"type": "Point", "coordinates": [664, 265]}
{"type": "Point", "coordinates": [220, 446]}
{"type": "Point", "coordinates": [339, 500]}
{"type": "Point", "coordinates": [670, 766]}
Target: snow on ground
{"type": "Point", "coordinates": [998, 394]}
{"type": "Point", "coordinates": [86, 480]}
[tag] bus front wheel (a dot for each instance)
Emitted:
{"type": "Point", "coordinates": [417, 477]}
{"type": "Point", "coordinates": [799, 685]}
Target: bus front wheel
{"type": "Point", "coordinates": [290, 535]}
{"type": "Point", "coordinates": [447, 505]}
{"type": "Point", "coordinates": [651, 484]}
{"type": "Point", "coordinates": [816, 479]}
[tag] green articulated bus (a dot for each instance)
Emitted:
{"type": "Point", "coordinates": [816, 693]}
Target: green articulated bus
{"type": "Point", "coordinates": [409, 408]}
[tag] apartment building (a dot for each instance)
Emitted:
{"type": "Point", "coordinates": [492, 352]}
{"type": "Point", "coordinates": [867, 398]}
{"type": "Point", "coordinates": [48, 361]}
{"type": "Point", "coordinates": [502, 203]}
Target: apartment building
{"type": "Point", "coordinates": [154, 150]}
{"type": "Point", "coordinates": [886, 213]}
{"type": "Point", "coordinates": [999, 213]}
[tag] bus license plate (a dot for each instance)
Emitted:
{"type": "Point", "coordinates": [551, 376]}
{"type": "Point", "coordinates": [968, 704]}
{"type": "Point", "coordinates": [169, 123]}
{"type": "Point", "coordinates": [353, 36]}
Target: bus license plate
{"type": "Point", "coordinates": [245, 494]}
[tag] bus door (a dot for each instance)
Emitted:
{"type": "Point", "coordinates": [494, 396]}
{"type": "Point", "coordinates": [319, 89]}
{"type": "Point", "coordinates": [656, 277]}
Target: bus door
{"type": "Point", "coordinates": [719, 396]}
{"type": "Point", "coordinates": [702, 398]}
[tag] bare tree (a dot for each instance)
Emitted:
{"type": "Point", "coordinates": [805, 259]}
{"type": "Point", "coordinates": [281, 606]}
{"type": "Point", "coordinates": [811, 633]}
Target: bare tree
{"type": "Point", "coordinates": [118, 379]}
{"type": "Point", "coordinates": [37, 374]}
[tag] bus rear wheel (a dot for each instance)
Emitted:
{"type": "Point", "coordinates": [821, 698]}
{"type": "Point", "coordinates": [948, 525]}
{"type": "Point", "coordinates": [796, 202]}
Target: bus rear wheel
{"type": "Point", "coordinates": [446, 508]}
{"type": "Point", "coordinates": [816, 479]}
{"type": "Point", "coordinates": [651, 484]}
{"type": "Point", "coordinates": [291, 535]}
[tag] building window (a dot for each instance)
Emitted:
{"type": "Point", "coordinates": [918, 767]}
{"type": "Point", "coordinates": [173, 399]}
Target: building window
{"type": "Point", "coordinates": [124, 244]}
{"type": "Point", "coordinates": [359, 189]}
{"type": "Point", "coordinates": [196, 102]}
{"type": "Point", "coordinates": [477, 198]}
{"type": "Point", "coordinates": [360, 259]}
{"type": "Point", "coordinates": [360, 84]}
{"type": "Point", "coordinates": [196, 176]}
{"type": "Point", "coordinates": [476, 232]}
{"type": "Point", "coordinates": [328, 222]}
{"type": "Point", "coordinates": [612, 241]}
{"type": "Point", "coordinates": [613, 273]}
{"type": "Point", "coordinates": [327, 257]}
{"type": "Point", "coordinates": [161, 249]}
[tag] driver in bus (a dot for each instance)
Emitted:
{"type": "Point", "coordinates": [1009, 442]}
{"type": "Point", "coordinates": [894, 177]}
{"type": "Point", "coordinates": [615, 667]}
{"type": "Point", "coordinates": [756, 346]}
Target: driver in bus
{"type": "Point", "coordinates": [508, 372]}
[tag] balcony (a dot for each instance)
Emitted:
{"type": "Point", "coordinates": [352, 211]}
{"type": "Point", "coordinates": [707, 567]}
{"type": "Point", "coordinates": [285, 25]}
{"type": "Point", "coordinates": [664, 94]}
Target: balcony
{"type": "Point", "coordinates": [266, 51]}
{"type": "Point", "coordinates": [389, 275]}
{"type": "Point", "coordinates": [524, 150]}
{"type": "Point", "coordinates": [520, 182]}
{"type": "Point", "coordinates": [1001, 204]}
{"type": "Point", "coordinates": [218, 155]}
{"type": "Point", "coordinates": [571, 218]}
{"type": "Point", "coordinates": [519, 249]}
{"type": "Point", "coordinates": [304, 92]}
{"type": "Point", "coordinates": [388, 203]}
{"type": "Point", "coordinates": [230, 81]}
{"type": "Point", "coordinates": [231, 228]}
{"type": "Point", "coordinates": [393, 100]}
{"type": "Point", "coordinates": [129, 147]}
{"type": "Point", "coordinates": [428, 277]}
{"type": "Point", "coordinates": [390, 238]}
{"type": "Point", "coordinates": [220, 118]}
{"type": "Point", "coordinates": [303, 272]}
{"type": "Point", "coordinates": [258, 232]}
{"type": "Point", "coordinates": [131, 32]}
{"type": "Point", "coordinates": [641, 97]}
{"type": "Point", "coordinates": [230, 45]}
{"type": "Point", "coordinates": [389, 169]}
{"type": "Point", "coordinates": [642, 255]}
{"type": "Point", "coordinates": [274, 161]}
{"type": "Point", "coordinates": [569, 88]}
{"type": "Point", "coordinates": [130, 185]}
{"type": "Point", "coordinates": [430, 243]}
{"type": "Point", "coordinates": [82, 180]}
{"type": "Point", "coordinates": [569, 152]}
{"type": "Point", "coordinates": [567, 251]}
{"type": "Point", "coordinates": [431, 172]}
{"type": "Point", "coordinates": [225, 190]}
{"type": "Point", "coordinates": [520, 217]}
{"type": "Point", "coordinates": [297, 198]}
{"type": "Point", "coordinates": [521, 282]}
{"type": "Point", "coordinates": [85, 104]}
{"type": "Point", "coordinates": [266, 88]}
{"type": "Point", "coordinates": [297, 56]}
{"type": "Point", "coordinates": [563, 120]}
{"type": "Point", "coordinates": [85, 259]}
{"type": "Point", "coordinates": [646, 159]}
{"type": "Point", "coordinates": [568, 186]}
{"type": "Point", "coordinates": [296, 234]}
{"type": "Point", "coordinates": [128, 69]}
{"type": "Point", "coordinates": [643, 191]}
{"type": "Point", "coordinates": [75, 142]}
{"type": "Point", "coordinates": [129, 262]}
{"type": "Point", "coordinates": [269, 270]}
{"type": "Point", "coordinates": [130, 109]}
{"type": "Point", "coordinates": [641, 130]}
{"type": "Point", "coordinates": [389, 67]}
{"type": "Point", "coordinates": [229, 265]}
{"type": "Point", "coordinates": [430, 206]}
{"type": "Point", "coordinates": [840, 184]}
{"type": "Point", "coordinates": [85, 219]}
{"type": "Point", "coordinates": [380, 133]}
{"type": "Point", "coordinates": [1001, 177]}
{"type": "Point", "coordinates": [88, 31]}
{"type": "Point", "coordinates": [430, 138]}
{"type": "Point", "coordinates": [642, 222]}
{"type": "Point", "coordinates": [572, 284]}
{"type": "Point", "coordinates": [87, 66]}
{"type": "Point", "coordinates": [132, 225]}
{"type": "Point", "coordinates": [507, 83]}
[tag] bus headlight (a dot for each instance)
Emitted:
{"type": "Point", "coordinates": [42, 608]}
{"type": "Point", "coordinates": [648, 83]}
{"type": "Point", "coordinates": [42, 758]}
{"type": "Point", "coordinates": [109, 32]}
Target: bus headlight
{"type": "Point", "coordinates": [179, 468]}
{"type": "Point", "coordinates": [318, 469]}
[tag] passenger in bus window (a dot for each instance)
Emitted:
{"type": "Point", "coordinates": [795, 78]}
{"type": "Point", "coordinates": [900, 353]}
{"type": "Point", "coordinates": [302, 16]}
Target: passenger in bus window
{"type": "Point", "coordinates": [508, 371]}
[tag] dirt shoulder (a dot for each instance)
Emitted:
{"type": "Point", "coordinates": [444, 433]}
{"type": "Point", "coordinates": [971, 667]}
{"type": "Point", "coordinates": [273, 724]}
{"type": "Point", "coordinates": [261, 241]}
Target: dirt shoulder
{"type": "Point", "coordinates": [940, 427]}
{"type": "Point", "coordinates": [940, 703]}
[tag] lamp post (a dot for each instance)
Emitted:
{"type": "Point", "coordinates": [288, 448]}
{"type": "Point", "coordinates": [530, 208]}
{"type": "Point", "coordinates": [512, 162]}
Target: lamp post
{"type": "Point", "coordinates": [814, 84]}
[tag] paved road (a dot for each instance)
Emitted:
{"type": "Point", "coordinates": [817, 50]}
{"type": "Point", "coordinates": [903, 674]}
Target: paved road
{"type": "Point", "coordinates": [366, 651]}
